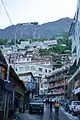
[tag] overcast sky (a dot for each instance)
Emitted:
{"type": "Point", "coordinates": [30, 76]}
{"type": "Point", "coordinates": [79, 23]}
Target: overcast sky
{"type": "Point", "coordinates": [22, 11]}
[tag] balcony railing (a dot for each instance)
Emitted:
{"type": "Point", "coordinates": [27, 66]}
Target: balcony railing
{"type": "Point", "coordinates": [55, 93]}
{"type": "Point", "coordinates": [57, 86]}
{"type": "Point", "coordinates": [57, 78]}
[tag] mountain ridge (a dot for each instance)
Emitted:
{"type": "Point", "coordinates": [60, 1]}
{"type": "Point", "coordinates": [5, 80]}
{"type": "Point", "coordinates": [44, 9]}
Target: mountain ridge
{"type": "Point", "coordinates": [28, 30]}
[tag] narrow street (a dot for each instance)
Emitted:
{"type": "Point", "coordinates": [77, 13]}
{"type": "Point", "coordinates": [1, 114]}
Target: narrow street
{"type": "Point", "coordinates": [39, 59]}
{"type": "Point", "coordinates": [49, 116]}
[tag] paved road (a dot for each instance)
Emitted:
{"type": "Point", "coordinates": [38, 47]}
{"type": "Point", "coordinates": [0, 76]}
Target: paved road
{"type": "Point", "coordinates": [49, 115]}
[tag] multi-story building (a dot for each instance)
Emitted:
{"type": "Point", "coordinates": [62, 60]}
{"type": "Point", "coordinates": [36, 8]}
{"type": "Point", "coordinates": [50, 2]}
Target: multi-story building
{"type": "Point", "coordinates": [29, 63]}
{"type": "Point", "coordinates": [60, 60]}
{"type": "Point", "coordinates": [24, 44]}
{"type": "Point", "coordinates": [58, 84]}
{"type": "Point", "coordinates": [75, 34]}
{"type": "Point", "coordinates": [38, 70]}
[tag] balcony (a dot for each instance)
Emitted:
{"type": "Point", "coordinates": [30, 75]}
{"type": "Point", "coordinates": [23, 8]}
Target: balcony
{"type": "Point", "coordinates": [56, 78]}
{"type": "Point", "coordinates": [55, 93]}
{"type": "Point", "coordinates": [57, 86]}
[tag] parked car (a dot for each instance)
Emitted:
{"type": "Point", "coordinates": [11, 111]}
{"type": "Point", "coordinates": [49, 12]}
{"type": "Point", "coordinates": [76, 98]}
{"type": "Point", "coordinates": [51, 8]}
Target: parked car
{"type": "Point", "coordinates": [74, 107]}
{"type": "Point", "coordinates": [36, 105]}
{"type": "Point", "coordinates": [66, 105]}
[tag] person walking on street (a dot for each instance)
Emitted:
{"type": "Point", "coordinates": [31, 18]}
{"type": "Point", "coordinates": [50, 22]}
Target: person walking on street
{"type": "Point", "coordinates": [51, 104]}
{"type": "Point", "coordinates": [47, 101]}
{"type": "Point", "coordinates": [57, 105]}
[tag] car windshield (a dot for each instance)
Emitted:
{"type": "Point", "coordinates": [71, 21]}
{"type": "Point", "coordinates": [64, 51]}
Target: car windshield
{"type": "Point", "coordinates": [77, 103]}
{"type": "Point", "coordinates": [36, 101]}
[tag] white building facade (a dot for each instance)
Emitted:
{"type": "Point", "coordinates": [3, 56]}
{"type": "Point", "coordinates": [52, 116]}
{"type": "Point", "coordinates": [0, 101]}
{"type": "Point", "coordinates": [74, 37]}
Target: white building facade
{"type": "Point", "coordinates": [39, 72]}
{"type": "Point", "coordinates": [75, 34]}
{"type": "Point", "coordinates": [23, 64]}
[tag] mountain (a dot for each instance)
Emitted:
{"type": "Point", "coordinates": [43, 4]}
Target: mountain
{"type": "Point", "coordinates": [32, 30]}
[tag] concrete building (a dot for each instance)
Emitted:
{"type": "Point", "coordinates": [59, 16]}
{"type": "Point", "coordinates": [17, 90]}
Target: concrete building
{"type": "Point", "coordinates": [58, 83]}
{"type": "Point", "coordinates": [38, 70]}
{"type": "Point", "coordinates": [75, 71]}
{"type": "Point", "coordinates": [60, 60]}
{"type": "Point", "coordinates": [24, 44]}
{"type": "Point", "coordinates": [75, 34]}
{"type": "Point", "coordinates": [30, 63]}
{"type": "Point", "coordinates": [12, 90]}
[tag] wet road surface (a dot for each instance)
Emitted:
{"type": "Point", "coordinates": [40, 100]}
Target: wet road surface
{"type": "Point", "coordinates": [49, 115]}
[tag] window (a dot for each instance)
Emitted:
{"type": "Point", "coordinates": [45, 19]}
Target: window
{"type": "Point", "coordinates": [40, 75]}
{"type": "Point", "coordinates": [37, 100]}
{"type": "Point", "coordinates": [74, 51]}
{"type": "Point", "coordinates": [20, 69]}
{"type": "Point", "coordinates": [49, 71]}
{"type": "Point", "coordinates": [32, 59]}
{"type": "Point", "coordinates": [41, 85]}
{"type": "Point", "coordinates": [41, 91]}
{"type": "Point", "coordinates": [46, 70]}
{"type": "Point", "coordinates": [27, 67]}
{"type": "Point", "coordinates": [28, 59]}
{"type": "Point", "coordinates": [32, 68]}
{"type": "Point", "coordinates": [40, 69]}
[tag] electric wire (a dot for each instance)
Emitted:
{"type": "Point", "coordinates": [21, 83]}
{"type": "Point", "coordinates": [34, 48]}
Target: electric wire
{"type": "Point", "coordinates": [6, 12]}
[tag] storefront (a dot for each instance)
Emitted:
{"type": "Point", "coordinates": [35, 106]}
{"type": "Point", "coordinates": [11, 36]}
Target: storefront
{"type": "Point", "coordinates": [6, 99]}
{"type": "Point", "coordinates": [19, 97]}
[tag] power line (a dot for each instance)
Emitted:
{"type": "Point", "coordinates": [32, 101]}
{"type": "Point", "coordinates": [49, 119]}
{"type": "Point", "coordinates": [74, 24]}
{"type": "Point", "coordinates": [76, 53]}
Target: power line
{"type": "Point", "coordinates": [7, 12]}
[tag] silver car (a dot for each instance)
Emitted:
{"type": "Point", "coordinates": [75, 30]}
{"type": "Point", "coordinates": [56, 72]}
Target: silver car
{"type": "Point", "coordinates": [36, 105]}
{"type": "Point", "coordinates": [75, 107]}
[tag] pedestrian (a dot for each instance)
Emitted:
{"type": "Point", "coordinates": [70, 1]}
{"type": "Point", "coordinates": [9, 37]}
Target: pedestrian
{"type": "Point", "coordinates": [57, 105]}
{"type": "Point", "coordinates": [51, 104]}
{"type": "Point", "coordinates": [47, 101]}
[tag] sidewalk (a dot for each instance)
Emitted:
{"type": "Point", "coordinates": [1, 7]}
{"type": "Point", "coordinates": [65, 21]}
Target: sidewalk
{"type": "Point", "coordinates": [18, 115]}
{"type": "Point", "coordinates": [67, 115]}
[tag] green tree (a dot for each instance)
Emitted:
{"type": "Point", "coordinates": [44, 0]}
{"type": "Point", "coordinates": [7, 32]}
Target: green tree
{"type": "Point", "coordinates": [43, 52]}
{"type": "Point", "coordinates": [3, 41]}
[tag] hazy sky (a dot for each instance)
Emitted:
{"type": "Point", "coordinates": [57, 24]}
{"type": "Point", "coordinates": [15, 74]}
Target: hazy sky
{"type": "Point", "coordinates": [22, 11]}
